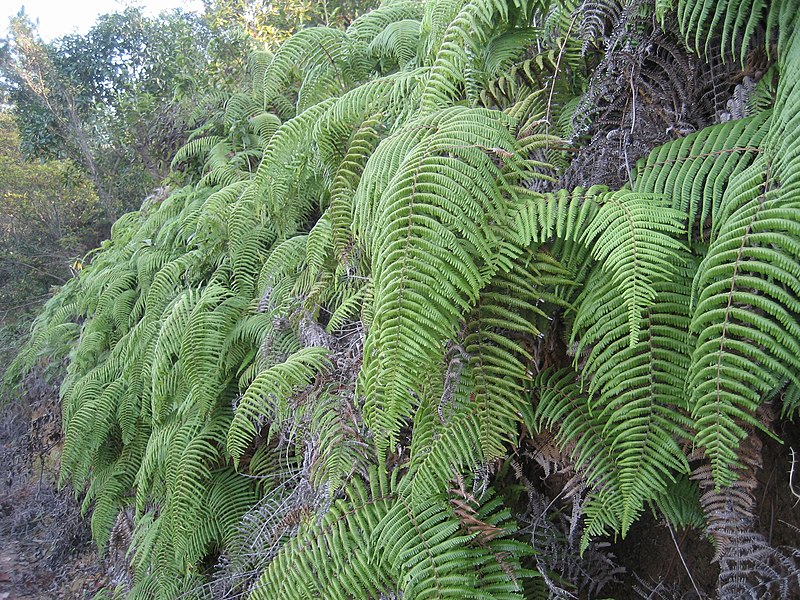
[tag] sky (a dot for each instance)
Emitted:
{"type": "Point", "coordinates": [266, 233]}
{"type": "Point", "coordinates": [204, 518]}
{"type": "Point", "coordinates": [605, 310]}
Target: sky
{"type": "Point", "coordinates": [60, 17]}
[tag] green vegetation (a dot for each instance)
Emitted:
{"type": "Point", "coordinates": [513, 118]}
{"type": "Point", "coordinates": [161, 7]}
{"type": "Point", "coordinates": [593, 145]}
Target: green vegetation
{"type": "Point", "coordinates": [45, 210]}
{"type": "Point", "coordinates": [328, 365]}
{"type": "Point", "coordinates": [272, 23]}
{"type": "Point", "coordinates": [120, 100]}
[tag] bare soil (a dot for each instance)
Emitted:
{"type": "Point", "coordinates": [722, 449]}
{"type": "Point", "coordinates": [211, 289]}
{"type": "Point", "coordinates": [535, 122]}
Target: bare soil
{"type": "Point", "coordinates": [45, 545]}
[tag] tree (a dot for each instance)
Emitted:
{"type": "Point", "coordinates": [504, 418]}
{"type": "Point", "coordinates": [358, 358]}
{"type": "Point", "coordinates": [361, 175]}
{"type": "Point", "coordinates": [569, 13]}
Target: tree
{"type": "Point", "coordinates": [425, 265]}
{"type": "Point", "coordinates": [46, 210]}
{"type": "Point", "coordinates": [119, 100]}
{"type": "Point", "coordinates": [273, 22]}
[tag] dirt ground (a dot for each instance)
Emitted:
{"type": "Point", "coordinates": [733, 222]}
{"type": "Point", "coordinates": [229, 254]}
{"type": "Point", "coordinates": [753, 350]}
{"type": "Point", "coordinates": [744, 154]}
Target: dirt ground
{"type": "Point", "coordinates": [682, 568]}
{"type": "Point", "coordinates": [45, 545]}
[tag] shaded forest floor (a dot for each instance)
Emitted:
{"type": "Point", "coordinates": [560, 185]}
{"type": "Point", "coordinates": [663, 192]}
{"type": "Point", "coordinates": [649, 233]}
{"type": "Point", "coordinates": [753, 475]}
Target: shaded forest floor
{"type": "Point", "coordinates": [664, 564]}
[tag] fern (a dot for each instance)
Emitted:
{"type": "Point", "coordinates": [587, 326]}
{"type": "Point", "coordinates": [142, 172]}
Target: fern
{"type": "Point", "coordinates": [735, 22]}
{"type": "Point", "coordinates": [268, 394]}
{"type": "Point", "coordinates": [323, 363]}
{"type": "Point", "coordinates": [435, 251]}
{"type": "Point", "coordinates": [397, 43]}
{"type": "Point", "coordinates": [482, 402]}
{"type": "Point", "coordinates": [378, 522]}
{"type": "Point", "coordinates": [561, 405]}
{"type": "Point", "coordinates": [631, 233]}
{"type": "Point", "coordinates": [749, 292]}
{"type": "Point", "coordinates": [693, 171]}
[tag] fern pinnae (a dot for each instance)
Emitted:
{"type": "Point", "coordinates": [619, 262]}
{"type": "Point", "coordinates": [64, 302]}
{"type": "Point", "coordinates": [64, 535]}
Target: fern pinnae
{"type": "Point", "coordinates": [468, 30]}
{"type": "Point", "coordinates": [342, 536]}
{"type": "Point", "coordinates": [695, 170]}
{"type": "Point", "coordinates": [379, 170]}
{"type": "Point", "coordinates": [209, 324]}
{"type": "Point", "coordinates": [632, 236]}
{"type": "Point", "coordinates": [268, 391]}
{"type": "Point", "coordinates": [562, 215]}
{"type": "Point", "coordinates": [191, 461]}
{"type": "Point", "coordinates": [368, 26]}
{"type": "Point", "coordinates": [397, 43]}
{"type": "Point", "coordinates": [377, 102]}
{"type": "Point", "coordinates": [345, 182]}
{"type": "Point", "coordinates": [558, 401]}
{"type": "Point", "coordinates": [410, 262]}
{"type": "Point", "coordinates": [194, 148]}
{"type": "Point", "coordinates": [273, 181]}
{"type": "Point", "coordinates": [310, 48]}
{"type": "Point", "coordinates": [644, 406]}
{"type": "Point", "coordinates": [735, 303]}
{"type": "Point", "coordinates": [239, 108]}
{"type": "Point", "coordinates": [483, 400]}
{"type": "Point", "coordinates": [248, 240]}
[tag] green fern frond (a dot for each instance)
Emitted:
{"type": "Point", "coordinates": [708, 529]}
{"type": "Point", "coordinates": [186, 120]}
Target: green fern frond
{"type": "Point", "coordinates": [266, 397]}
{"type": "Point", "coordinates": [316, 47]}
{"type": "Point", "coordinates": [257, 63]}
{"type": "Point", "coordinates": [561, 407]}
{"type": "Point", "coordinates": [374, 542]}
{"type": "Point", "coordinates": [363, 144]}
{"type": "Point", "coordinates": [371, 24]}
{"type": "Point", "coordinates": [434, 258]}
{"type": "Point", "coordinates": [680, 504]}
{"type": "Point", "coordinates": [464, 35]}
{"type": "Point", "coordinates": [747, 291]}
{"type": "Point", "coordinates": [482, 400]}
{"type": "Point", "coordinates": [239, 109]}
{"type": "Point", "coordinates": [274, 181]}
{"type": "Point", "coordinates": [226, 498]}
{"type": "Point", "coordinates": [279, 273]}
{"type": "Point", "coordinates": [333, 557]}
{"type": "Point", "coordinates": [420, 544]}
{"type": "Point", "coordinates": [638, 390]}
{"type": "Point", "coordinates": [248, 241]}
{"type": "Point", "coordinates": [633, 236]}
{"type": "Point", "coordinates": [196, 148]}
{"type": "Point", "coordinates": [563, 215]}
{"type": "Point", "coordinates": [377, 101]}
{"type": "Point", "coordinates": [504, 50]}
{"type": "Point", "coordinates": [397, 43]}
{"type": "Point", "coordinates": [693, 171]}
{"type": "Point", "coordinates": [735, 22]}
{"type": "Point", "coordinates": [265, 125]}
{"type": "Point", "coordinates": [211, 320]}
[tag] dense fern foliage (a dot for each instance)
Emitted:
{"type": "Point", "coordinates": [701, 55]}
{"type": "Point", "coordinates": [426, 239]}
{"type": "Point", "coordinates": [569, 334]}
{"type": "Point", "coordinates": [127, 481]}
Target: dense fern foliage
{"type": "Point", "coordinates": [406, 259]}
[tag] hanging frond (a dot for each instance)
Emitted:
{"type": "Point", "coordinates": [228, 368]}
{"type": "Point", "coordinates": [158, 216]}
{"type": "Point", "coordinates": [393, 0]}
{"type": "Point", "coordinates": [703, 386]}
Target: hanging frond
{"type": "Point", "coordinates": [733, 22]}
{"type": "Point", "coordinates": [633, 237]}
{"type": "Point", "coordinates": [693, 171]}
{"type": "Point", "coordinates": [464, 35]}
{"type": "Point", "coordinates": [561, 407]}
{"type": "Point", "coordinates": [373, 23]}
{"type": "Point", "coordinates": [265, 401]}
{"type": "Point", "coordinates": [397, 43]}
{"type": "Point", "coordinates": [316, 47]}
{"type": "Point", "coordinates": [746, 302]}
{"type": "Point", "coordinates": [374, 542]}
{"type": "Point", "coordinates": [437, 252]}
